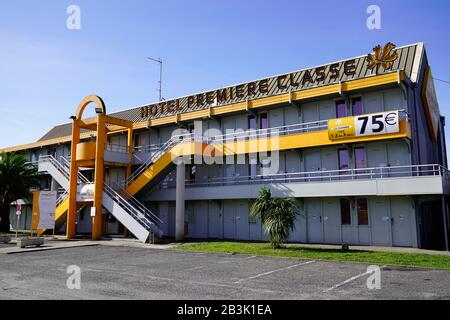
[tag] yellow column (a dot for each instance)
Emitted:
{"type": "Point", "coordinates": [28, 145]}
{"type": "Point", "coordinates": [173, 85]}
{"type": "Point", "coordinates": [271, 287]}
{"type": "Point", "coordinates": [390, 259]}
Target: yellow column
{"type": "Point", "coordinates": [130, 150]}
{"type": "Point", "coordinates": [73, 182]}
{"type": "Point", "coordinates": [97, 220]}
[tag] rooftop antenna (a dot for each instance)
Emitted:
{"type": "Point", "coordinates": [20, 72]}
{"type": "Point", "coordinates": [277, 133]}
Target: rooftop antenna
{"type": "Point", "coordinates": [159, 60]}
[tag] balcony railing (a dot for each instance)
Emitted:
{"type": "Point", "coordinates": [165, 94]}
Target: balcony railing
{"type": "Point", "coordinates": [253, 134]}
{"type": "Point", "coordinates": [321, 176]}
{"type": "Point", "coordinates": [113, 147]}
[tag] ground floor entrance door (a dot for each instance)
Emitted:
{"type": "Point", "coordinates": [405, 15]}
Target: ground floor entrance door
{"type": "Point", "coordinates": [314, 217]}
{"type": "Point", "coordinates": [331, 221]}
{"type": "Point", "coordinates": [215, 220]}
{"type": "Point", "coordinates": [401, 222]}
{"type": "Point", "coordinates": [380, 221]}
{"type": "Point", "coordinates": [229, 220]}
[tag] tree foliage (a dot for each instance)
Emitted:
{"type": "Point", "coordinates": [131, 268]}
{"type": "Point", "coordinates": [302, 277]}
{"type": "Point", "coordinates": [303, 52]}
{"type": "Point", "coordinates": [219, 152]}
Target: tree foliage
{"type": "Point", "coordinates": [16, 179]}
{"type": "Point", "coordinates": [276, 214]}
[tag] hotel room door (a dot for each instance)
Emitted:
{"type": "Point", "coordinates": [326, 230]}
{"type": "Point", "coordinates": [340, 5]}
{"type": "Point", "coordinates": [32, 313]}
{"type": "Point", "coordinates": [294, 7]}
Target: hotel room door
{"type": "Point", "coordinates": [314, 216]}
{"type": "Point", "coordinates": [331, 221]}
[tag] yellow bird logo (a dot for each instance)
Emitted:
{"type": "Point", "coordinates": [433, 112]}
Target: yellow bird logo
{"type": "Point", "coordinates": [384, 57]}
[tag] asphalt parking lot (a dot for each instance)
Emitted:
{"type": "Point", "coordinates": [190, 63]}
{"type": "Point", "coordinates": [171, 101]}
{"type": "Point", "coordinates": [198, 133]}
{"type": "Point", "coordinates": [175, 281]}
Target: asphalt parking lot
{"type": "Point", "coordinates": [139, 273]}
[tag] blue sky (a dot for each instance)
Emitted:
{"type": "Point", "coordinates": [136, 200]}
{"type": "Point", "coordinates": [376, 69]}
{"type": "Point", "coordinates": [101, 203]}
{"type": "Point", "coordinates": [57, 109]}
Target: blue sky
{"type": "Point", "coordinates": [46, 69]}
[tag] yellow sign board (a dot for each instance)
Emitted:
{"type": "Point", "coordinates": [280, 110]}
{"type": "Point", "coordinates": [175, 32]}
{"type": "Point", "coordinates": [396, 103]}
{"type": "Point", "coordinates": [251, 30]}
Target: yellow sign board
{"type": "Point", "coordinates": [364, 125]}
{"type": "Point", "coordinates": [44, 206]}
{"type": "Point", "coordinates": [342, 128]}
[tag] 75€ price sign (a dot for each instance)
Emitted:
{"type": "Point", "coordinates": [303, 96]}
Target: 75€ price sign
{"type": "Point", "coordinates": [364, 125]}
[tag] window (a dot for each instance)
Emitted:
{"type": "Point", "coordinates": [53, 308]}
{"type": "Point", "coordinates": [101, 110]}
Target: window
{"type": "Point", "coordinates": [360, 158]}
{"type": "Point", "coordinates": [346, 218]}
{"type": "Point", "coordinates": [263, 121]}
{"type": "Point", "coordinates": [344, 159]}
{"type": "Point", "coordinates": [191, 172]}
{"type": "Point", "coordinates": [137, 141]}
{"type": "Point", "coordinates": [357, 107]}
{"type": "Point", "coordinates": [363, 216]}
{"type": "Point", "coordinates": [341, 109]}
{"type": "Point", "coordinates": [252, 123]}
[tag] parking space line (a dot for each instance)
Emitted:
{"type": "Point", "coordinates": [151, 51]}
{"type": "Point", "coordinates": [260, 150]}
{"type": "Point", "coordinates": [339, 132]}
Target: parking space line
{"type": "Point", "coordinates": [219, 262]}
{"type": "Point", "coordinates": [340, 284]}
{"type": "Point", "coordinates": [273, 271]}
{"type": "Point", "coordinates": [194, 268]}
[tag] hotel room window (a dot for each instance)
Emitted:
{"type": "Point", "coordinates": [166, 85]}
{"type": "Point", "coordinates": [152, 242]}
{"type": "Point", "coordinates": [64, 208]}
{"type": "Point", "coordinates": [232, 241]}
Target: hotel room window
{"type": "Point", "coordinates": [252, 123]}
{"type": "Point", "coordinates": [263, 121]}
{"type": "Point", "coordinates": [346, 217]}
{"type": "Point", "coordinates": [360, 158]}
{"type": "Point", "coordinates": [341, 109]}
{"type": "Point", "coordinates": [344, 159]}
{"type": "Point", "coordinates": [357, 107]}
{"type": "Point", "coordinates": [137, 142]}
{"type": "Point", "coordinates": [363, 216]}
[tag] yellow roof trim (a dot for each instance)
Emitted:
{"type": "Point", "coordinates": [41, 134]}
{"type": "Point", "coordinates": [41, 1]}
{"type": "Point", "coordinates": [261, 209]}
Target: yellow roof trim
{"type": "Point", "coordinates": [373, 81]}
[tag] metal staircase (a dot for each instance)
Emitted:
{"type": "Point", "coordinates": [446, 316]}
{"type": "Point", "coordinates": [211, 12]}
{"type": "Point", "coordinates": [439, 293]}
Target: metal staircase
{"type": "Point", "coordinates": [156, 156]}
{"type": "Point", "coordinates": [138, 219]}
{"type": "Point", "coordinates": [159, 164]}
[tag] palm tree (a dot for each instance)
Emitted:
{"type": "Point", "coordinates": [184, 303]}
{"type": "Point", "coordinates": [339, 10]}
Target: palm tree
{"type": "Point", "coordinates": [16, 180]}
{"type": "Point", "coordinates": [277, 216]}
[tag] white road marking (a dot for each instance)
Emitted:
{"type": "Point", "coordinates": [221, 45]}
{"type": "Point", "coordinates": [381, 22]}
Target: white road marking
{"type": "Point", "coordinates": [194, 268]}
{"type": "Point", "coordinates": [220, 262]}
{"type": "Point", "coordinates": [273, 271]}
{"type": "Point", "coordinates": [340, 284]}
{"type": "Point", "coordinates": [198, 283]}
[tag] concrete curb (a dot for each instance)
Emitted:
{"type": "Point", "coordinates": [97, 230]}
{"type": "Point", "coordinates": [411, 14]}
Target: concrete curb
{"type": "Point", "coordinates": [28, 250]}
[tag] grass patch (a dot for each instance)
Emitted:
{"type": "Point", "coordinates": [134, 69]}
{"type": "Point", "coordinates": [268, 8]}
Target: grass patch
{"type": "Point", "coordinates": [297, 251]}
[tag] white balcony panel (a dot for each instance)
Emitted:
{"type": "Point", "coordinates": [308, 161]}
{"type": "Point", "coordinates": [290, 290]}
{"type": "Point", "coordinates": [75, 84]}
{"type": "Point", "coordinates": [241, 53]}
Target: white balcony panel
{"type": "Point", "coordinates": [375, 187]}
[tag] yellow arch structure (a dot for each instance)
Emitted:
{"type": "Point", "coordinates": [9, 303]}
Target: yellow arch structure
{"type": "Point", "coordinates": [100, 127]}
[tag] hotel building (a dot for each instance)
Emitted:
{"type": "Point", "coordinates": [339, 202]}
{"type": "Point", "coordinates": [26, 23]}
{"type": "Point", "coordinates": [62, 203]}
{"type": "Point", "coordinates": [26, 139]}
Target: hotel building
{"type": "Point", "coordinates": [359, 144]}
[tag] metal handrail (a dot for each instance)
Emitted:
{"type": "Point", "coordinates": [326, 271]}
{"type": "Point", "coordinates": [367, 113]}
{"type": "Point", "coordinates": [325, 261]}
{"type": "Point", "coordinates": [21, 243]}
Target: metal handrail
{"type": "Point", "coordinates": [148, 148]}
{"type": "Point", "coordinates": [66, 165]}
{"type": "Point", "coordinates": [275, 131]}
{"type": "Point", "coordinates": [132, 206]}
{"type": "Point", "coordinates": [136, 203]}
{"type": "Point", "coordinates": [114, 147]}
{"type": "Point", "coordinates": [154, 157]}
{"type": "Point", "coordinates": [249, 134]}
{"type": "Point", "coordinates": [328, 175]}
{"type": "Point", "coordinates": [137, 215]}
{"type": "Point", "coordinates": [253, 133]}
{"type": "Point", "coordinates": [61, 198]}
{"type": "Point", "coordinates": [56, 164]}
